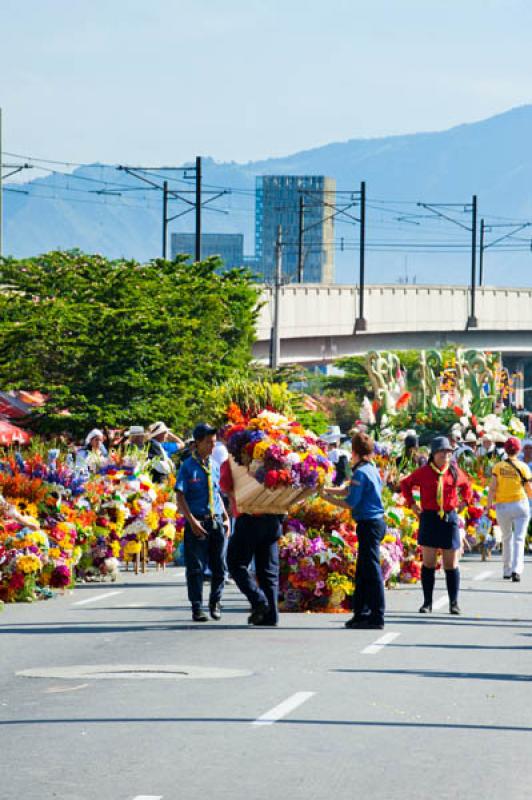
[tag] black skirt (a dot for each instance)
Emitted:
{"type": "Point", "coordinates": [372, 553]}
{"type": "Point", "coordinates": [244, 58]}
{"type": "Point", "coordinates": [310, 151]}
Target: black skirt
{"type": "Point", "coordinates": [434, 531]}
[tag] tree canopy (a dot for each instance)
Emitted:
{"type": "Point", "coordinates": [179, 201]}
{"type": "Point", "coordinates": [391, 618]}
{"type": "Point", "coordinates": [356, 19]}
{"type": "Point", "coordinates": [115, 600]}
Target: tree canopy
{"type": "Point", "coordinates": [116, 342]}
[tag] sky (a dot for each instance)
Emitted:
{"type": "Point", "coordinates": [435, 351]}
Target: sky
{"type": "Point", "coordinates": [160, 81]}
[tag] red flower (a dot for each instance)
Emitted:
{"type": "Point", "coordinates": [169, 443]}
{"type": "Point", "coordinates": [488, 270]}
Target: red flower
{"type": "Point", "coordinates": [402, 401]}
{"type": "Point", "coordinates": [458, 411]}
{"type": "Point", "coordinates": [17, 582]}
{"type": "Point", "coordinates": [271, 478]}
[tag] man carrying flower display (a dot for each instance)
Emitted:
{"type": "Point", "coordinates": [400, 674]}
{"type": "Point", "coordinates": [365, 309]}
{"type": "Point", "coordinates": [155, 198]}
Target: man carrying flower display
{"type": "Point", "coordinates": [207, 523]}
{"type": "Point", "coordinates": [255, 536]}
{"type": "Point", "coordinates": [364, 499]}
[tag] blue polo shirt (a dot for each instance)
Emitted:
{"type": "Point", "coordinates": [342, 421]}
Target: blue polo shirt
{"type": "Point", "coordinates": [192, 480]}
{"type": "Point", "coordinates": [365, 493]}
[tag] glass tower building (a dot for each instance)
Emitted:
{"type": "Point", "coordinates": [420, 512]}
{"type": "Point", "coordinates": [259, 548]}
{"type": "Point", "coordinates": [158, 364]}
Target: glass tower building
{"type": "Point", "coordinates": [278, 202]}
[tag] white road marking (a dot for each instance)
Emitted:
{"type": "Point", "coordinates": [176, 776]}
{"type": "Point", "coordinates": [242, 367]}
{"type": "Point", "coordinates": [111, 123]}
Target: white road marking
{"type": "Point", "coordinates": [62, 689]}
{"type": "Point", "coordinates": [134, 605]}
{"type": "Point", "coordinates": [483, 575]}
{"type": "Point", "coordinates": [283, 708]}
{"type": "Point", "coordinates": [95, 599]}
{"type": "Point", "coordinates": [441, 601]}
{"type": "Point", "coordinates": [148, 797]}
{"type": "Point", "coordinates": [380, 643]}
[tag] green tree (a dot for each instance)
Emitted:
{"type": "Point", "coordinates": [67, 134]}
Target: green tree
{"type": "Point", "coordinates": [116, 342]}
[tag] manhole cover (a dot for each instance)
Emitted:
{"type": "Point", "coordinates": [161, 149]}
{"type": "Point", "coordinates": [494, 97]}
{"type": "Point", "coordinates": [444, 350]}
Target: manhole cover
{"type": "Point", "coordinates": [133, 671]}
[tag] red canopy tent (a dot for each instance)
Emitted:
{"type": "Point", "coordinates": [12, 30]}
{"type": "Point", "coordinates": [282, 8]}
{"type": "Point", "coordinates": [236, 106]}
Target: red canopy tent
{"type": "Point", "coordinates": [12, 434]}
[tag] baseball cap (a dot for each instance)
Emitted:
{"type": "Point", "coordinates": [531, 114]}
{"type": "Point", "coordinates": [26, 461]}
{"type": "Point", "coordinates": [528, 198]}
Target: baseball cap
{"type": "Point", "coordinates": [512, 445]}
{"type": "Point", "coordinates": [440, 443]}
{"type": "Point", "coordinates": [202, 430]}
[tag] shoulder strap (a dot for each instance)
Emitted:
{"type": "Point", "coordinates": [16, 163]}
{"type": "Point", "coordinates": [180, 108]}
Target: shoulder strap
{"type": "Point", "coordinates": [524, 480]}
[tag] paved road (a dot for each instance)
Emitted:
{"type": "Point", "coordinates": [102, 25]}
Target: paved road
{"type": "Point", "coordinates": [440, 708]}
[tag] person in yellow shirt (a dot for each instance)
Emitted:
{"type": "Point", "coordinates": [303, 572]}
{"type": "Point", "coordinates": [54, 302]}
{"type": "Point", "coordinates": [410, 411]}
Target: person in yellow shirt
{"type": "Point", "coordinates": [509, 491]}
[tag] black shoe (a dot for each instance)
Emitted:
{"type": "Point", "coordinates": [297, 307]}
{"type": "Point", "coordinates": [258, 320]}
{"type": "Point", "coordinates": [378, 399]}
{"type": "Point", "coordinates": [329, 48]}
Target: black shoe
{"type": "Point", "coordinates": [215, 611]}
{"type": "Point", "coordinates": [506, 577]}
{"type": "Point", "coordinates": [454, 608]}
{"type": "Point", "coordinates": [515, 577]}
{"type": "Point", "coordinates": [198, 615]}
{"type": "Point", "coordinates": [426, 608]}
{"type": "Point", "coordinates": [355, 621]}
{"type": "Point", "coordinates": [266, 622]}
{"type": "Point", "coordinates": [364, 625]}
{"type": "Point", "coordinates": [258, 613]}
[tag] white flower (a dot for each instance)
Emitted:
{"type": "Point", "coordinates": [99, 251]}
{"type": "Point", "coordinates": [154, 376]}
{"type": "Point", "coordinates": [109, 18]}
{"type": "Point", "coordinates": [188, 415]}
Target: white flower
{"type": "Point", "coordinates": [366, 412]}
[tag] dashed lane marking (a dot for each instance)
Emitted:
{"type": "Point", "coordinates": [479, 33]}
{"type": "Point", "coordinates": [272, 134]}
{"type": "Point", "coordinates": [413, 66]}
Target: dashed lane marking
{"type": "Point", "coordinates": [284, 708]}
{"type": "Point", "coordinates": [95, 599]}
{"type": "Point", "coordinates": [148, 797]}
{"type": "Point", "coordinates": [380, 643]}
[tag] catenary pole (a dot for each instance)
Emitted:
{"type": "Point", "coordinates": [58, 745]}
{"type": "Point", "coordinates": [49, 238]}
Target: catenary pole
{"type": "Point", "coordinates": [276, 343]}
{"type": "Point", "coordinates": [361, 324]}
{"type": "Point", "coordinates": [198, 209]}
{"type": "Point", "coordinates": [165, 218]}
{"type": "Point", "coordinates": [300, 240]}
{"type": "Point", "coordinates": [472, 322]}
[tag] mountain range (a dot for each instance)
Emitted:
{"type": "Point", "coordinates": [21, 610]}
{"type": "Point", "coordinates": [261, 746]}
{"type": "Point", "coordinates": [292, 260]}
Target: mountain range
{"type": "Point", "coordinates": [100, 209]}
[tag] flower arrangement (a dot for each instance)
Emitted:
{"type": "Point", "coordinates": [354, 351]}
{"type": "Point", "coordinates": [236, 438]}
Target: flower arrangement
{"type": "Point", "coordinates": [275, 461]}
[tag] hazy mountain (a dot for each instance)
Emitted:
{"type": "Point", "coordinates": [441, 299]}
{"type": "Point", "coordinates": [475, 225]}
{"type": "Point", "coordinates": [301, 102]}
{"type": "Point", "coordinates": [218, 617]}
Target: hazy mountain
{"type": "Point", "coordinates": [491, 158]}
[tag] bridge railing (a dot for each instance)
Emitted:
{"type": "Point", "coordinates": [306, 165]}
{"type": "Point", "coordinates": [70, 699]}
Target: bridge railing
{"type": "Point", "coordinates": [316, 310]}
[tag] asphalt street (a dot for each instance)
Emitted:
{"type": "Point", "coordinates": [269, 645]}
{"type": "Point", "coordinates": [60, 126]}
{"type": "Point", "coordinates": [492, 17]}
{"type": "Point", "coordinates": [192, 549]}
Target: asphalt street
{"type": "Point", "coordinates": [110, 692]}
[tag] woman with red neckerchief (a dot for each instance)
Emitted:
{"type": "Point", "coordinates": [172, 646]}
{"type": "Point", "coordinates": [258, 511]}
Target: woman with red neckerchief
{"type": "Point", "coordinates": [443, 488]}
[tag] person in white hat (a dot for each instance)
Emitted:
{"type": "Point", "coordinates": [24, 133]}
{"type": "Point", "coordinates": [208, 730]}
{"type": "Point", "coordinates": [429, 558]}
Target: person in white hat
{"type": "Point", "coordinates": [135, 435]}
{"type": "Point", "coordinates": [161, 464]}
{"type": "Point", "coordinates": [93, 453]}
{"type": "Point", "coordinates": [337, 456]}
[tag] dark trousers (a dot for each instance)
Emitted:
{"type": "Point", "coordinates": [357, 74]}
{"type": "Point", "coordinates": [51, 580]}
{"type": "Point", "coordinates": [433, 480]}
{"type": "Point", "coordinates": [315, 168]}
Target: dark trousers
{"type": "Point", "coordinates": [256, 537]}
{"type": "Point", "coordinates": [199, 553]}
{"type": "Point", "coordinates": [368, 601]}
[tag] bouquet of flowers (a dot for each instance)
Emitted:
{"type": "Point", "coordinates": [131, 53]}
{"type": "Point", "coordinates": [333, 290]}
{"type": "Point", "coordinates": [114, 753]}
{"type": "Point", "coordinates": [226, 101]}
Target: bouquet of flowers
{"type": "Point", "coordinates": [275, 462]}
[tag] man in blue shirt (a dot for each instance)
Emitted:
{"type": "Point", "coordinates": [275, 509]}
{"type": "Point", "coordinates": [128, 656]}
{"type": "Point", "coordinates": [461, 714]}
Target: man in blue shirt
{"type": "Point", "coordinates": [364, 500]}
{"type": "Point", "coordinates": [207, 523]}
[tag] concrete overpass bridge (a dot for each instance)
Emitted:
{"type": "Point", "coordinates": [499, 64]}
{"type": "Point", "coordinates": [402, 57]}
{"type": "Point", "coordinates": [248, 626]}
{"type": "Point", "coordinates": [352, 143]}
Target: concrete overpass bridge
{"type": "Point", "coordinates": [317, 322]}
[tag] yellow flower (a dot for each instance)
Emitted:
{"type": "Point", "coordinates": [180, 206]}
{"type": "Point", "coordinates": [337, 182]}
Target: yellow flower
{"type": "Point", "coordinates": [54, 552]}
{"type": "Point", "coordinates": [29, 563]}
{"type": "Point", "coordinates": [260, 449]}
{"type": "Point", "coordinates": [131, 549]}
{"type": "Point", "coordinates": [115, 547]}
{"type": "Point", "coordinates": [168, 532]}
{"type": "Point", "coordinates": [152, 520]}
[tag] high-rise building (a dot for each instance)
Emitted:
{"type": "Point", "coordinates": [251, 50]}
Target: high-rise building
{"type": "Point", "coordinates": [229, 246]}
{"type": "Point", "coordinates": [278, 200]}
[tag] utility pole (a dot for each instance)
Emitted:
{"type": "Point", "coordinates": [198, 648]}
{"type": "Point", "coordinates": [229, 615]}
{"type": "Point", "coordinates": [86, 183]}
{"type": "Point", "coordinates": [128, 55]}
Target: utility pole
{"type": "Point", "coordinates": [361, 322]}
{"type": "Point", "coordinates": [165, 218]}
{"type": "Point", "coordinates": [472, 322]}
{"type": "Point", "coordinates": [300, 240]}
{"type": "Point", "coordinates": [481, 255]}
{"type": "Point", "coordinates": [276, 343]}
{"type": "Point", "coordinates": [198, 209]}
{"type": "Point", "coordinates": [178, 194]}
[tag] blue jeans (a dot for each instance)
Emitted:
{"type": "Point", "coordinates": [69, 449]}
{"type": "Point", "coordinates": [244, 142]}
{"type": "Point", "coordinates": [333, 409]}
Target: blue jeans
{"type": "Point", "coordinates": [257, 536]}
{"type": "Point", "coordinates": [199, 553]}
{"type": "Point", "coordinates": [368, 601]}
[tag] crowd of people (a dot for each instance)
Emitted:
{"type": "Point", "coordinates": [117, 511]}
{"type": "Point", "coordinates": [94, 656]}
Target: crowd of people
{"type": "Point", "coordinates": [221, 539]}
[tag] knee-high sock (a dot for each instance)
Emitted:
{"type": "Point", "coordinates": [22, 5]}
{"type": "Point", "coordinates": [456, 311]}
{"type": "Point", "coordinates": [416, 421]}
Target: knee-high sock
{"type": "Point", "coordinates": [452, 578]}
{"type": "Point", "coordinates": [427, 582]}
